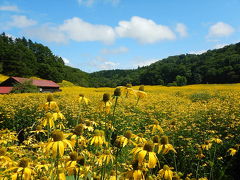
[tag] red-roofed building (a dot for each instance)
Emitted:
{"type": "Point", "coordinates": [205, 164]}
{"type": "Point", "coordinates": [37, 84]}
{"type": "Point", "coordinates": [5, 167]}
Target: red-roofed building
{"type": "Point", "coordinates": [43, 85]}
{"type": "Point", "coordinates": [5, 90]}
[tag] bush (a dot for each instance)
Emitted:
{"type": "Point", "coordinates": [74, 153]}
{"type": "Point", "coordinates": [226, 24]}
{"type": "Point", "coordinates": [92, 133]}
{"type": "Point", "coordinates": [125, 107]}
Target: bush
{"type": "Point", "coordinates": [200, 97]}
{"type": "Point", "coordinates": [25, 87]}
{"type": "Point", "coordinates": [181, 80]}
{"type": "Point", "coordinates": [172, 84]}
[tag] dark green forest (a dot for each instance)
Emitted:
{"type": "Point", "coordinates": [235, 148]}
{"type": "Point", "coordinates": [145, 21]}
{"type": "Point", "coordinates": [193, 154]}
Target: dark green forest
{"type": "Point", "coordinates": [214, 66]}
{"type": "Point", "coordinates": [24, 58]}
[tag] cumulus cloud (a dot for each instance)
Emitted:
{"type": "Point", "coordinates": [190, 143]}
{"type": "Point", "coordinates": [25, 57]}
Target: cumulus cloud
{"type": "Point", "coordinates": [198, 52]}
{"type": "Point", "coordinates": [65, 60]}
{"type": "Point", "coordinates": [218, 46]}
{"type": "Point", "coordinates": [101, 63]}
{"type": "Point", "coordinates": [79, 30]}
{"type": "Point", "coordinates": [181, 29]}
{"type": "Point", "coordinates": [86, 2]}
{"type": "Point", "coordinates": [144, 30]}
{"type": "Point", "coordinates": [147, 62]}
{"type": "Point", "coordinates": [91, 2]}
{"type": "Point", "coordinates": [9, 8]}
{"type": "Point", "coordinates": [220, 29]}
{"type": "Point", "coordinates": [46, 33]}
{"type": "Point", "coordinates": [119, 50]}
{"type": "Point", "coordinates": [76, 29]}
{"type": "Point", "coordinates": [20, 22]}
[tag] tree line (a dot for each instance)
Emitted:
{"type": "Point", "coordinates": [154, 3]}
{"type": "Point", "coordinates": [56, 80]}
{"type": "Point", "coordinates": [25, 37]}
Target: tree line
{"type": "Point", "coordinates": [24, 58]}
{"type": "Point", "coordinates": [213, 67]}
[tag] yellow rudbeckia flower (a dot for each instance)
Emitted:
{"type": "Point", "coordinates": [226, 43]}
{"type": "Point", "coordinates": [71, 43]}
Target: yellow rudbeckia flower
{"type": "Point", "coordinates": [83, 100]}
{"type": "Point", "coordinates": [156, 127]}
{"type": "Point", "coordinates": [232, 151]}
{"type": "Point", "coordinates": [98, 139]}
{"type": "Point", "coordinates": [57, 146]}
{"type": "Point", "coordinates": [207, 145]}
{"type": "Point", "coordinates": [124, 140]}
{"type": "Point", "coordinates": [140, 94]}
{"type": "Point", "coordinates": [22, 171]}
{"type": "Point", "coordinates": [48, 120]}
{"type": "Point", "coordinates": [105, 158]}
{"type": "Point", "coordinates": [166, 173]}
{"type": "Point", "coordinates": [51, 106]}
{"type": "Point", "coordinates": [165, 147]}
{"type": "Point", "coordinates": [148, 150]}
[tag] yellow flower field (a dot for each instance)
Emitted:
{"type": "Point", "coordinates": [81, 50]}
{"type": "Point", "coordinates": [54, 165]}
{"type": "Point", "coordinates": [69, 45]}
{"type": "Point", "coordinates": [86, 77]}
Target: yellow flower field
{"type": "Point", "coordinates": [150, 132]}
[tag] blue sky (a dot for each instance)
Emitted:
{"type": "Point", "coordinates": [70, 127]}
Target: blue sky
{"type": "Point", "coordinates": [122, 34]}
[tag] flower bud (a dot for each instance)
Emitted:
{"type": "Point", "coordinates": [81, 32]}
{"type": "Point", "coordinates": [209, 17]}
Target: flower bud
{"type": "Point", "coordinates": [49, 98]}
{"type": "Point", "coordinates": [106, 97]}
{"type": "Point", "coordinates": [117, 92]}
{"type": "Point", "coordinates": [141, 88]}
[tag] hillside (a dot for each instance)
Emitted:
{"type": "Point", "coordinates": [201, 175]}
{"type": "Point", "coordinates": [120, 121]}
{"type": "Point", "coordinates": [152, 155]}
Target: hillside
{"type": "Point", "coordinates": [21, 57]}
{"type": "Point", "coordinates": [214, 66]}
{"type": "Point", "coordinates": [24, 58]}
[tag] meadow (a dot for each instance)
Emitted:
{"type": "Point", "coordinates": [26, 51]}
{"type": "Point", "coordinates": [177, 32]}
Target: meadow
{"type": "Point", "coordinates": [151, 132]}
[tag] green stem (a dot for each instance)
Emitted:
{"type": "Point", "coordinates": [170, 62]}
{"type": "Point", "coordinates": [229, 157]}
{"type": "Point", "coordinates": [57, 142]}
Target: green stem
{"type": "Point", "coordinates": [116, 163]}
{"type": "Point", "coordinates": [114, 109]}
{"type": "Point", "coordinates": [197, 170]}
{"type": "Point", "coordinates": [211, 171]}
{"type": "Point", "coordinates": [22, 174]}
{"type": "Point", "coordinates": [137, 101]}
{"type": "Point", "coordinates": [48, 129]}
{"type": "Point", "coordinates": [79, 114]}
{"type": "Point", "coordinates": [77, 144]}
{"type": "Point", "coordinates": [174, 158]}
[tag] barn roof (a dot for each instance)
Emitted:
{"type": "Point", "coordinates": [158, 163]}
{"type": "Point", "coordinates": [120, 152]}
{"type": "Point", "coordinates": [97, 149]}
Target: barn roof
{"type": "Point", "coordinates": [36, 82]}
{"type": "Point", "coordinates": [5, 90]}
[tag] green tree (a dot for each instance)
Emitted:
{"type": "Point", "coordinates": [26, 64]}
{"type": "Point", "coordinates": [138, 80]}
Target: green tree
{"type": "Point", "coordinates": [25, 87]}
{"type": "Point", "coordinates": [181, 80]}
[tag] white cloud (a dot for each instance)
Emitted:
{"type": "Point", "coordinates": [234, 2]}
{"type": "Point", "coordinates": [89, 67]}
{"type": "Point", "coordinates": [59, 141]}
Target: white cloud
{"type": "Point", "coordinates": [9, 8]}
{"type": "Point", "coordinates": [198, 52]}
{"type": "Point", "coordinates": [20, 22]}
{"type": "Point", "coordinates": [79, 30]}
{"type": "Point", "coordinates": [91, 2]}
{"type": "Point", "coordinates": [11, 36]}
{"type": "Point", "coordinates": [114, 2]}
{"type": "Point", "coordinates": [144, 30]}
{"type": "Point", "coordinates": [181, 29]}
{"type": "Point", "coordinates": [46, 33]}
{"type": "Point", "coordinates": [86, 2]}
{"type": "Point", "coordinates": [119, 50]}
{"type": "Point", "coordinates": [218, 46]}
{"type": "Point", "coordinates": [220, 29]}
{"type": "Point", "coordinates": [76, 29]}
{"type": "Point", "coordinates": [65, 60]}
{"type": "Point", "coordinates": [142, 63]}
{"type": "Point", "coordinates": [101, 63]}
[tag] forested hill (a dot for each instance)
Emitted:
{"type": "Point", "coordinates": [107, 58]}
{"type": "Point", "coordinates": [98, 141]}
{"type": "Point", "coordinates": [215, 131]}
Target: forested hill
{"type": "Point", "coordinates": [24, 58]}
{"type": "Point", "coordinates": [214, 66]}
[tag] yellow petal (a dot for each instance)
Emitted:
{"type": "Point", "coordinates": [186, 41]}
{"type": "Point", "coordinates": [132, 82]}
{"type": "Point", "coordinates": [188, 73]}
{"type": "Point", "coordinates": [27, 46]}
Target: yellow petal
{"type": "Point", "coordinates": [27, 173]}
{"type": "Point", "coordinates": [68, 143]}
{"type": "Point", "coordinates": [137, 175]}
{"type": "Point", "coordinates": [141, 155]}
{"type": "Point", "coordinates": [49, 146]}
{"type": "Point", "coordinates": [125, 142]}
{"type": "Point", "coordinates": [60, 148]}
{"type": "Point", "coordinates": [152, 160]}
{"type": "Point", "coordinates": [55, 149]}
